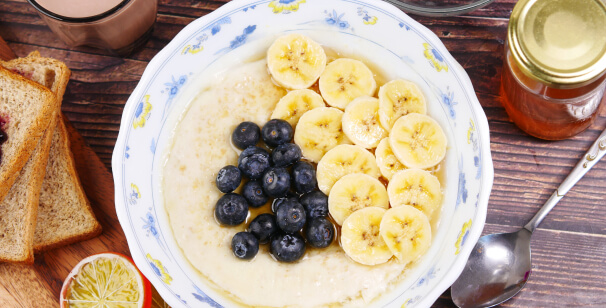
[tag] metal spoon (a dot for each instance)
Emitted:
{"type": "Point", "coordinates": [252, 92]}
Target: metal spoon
{"type": "Point", "coordinates": [499, 265]}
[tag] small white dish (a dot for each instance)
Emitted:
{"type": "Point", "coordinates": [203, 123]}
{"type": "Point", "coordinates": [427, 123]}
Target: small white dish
{"type": "Point", "coordinates": [241, 29]}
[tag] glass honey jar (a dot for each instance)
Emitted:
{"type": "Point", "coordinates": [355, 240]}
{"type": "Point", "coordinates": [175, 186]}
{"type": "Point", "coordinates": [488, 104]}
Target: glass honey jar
{"type": "Point", "coordinates": [554, 72]}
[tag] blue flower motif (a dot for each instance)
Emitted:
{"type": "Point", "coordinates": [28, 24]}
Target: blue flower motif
{"type": "Point", "coordinates": [462, 237]}
{"type": "Point", "coordinates": [252, 7]}
{"type": "Point", "coordinates": [216, 26]}
{"type": "Point", "coordinates": [182, 300]}
{"type": "Point", "coordinates": [197, 47]}
{"type": "Point", "coordinates": [435, 58]}
{"type": "Point", "coordinates": [134, 195]}
{"type": "Point", "coordinates": [150, 225]}
{"type": "Point", "coordinates": [159, 269]}
{"type": "Point", "coordinates": [472, 138]}
{"type": "Point", "coordinates": [431, 274]}
{"type": "Point", "coordinates": [126, 152]}
{"type": "Point", "coordinates": [462, 195]}
{"type": "Point", "coordinates": [200, 296]}
{"type": "Point", "coordinates": [142, 113]}
{"type": "Point", "coordinates": [367, 19]}
{"type": "Point", "coordinates": [152, 147]}
{"type": "Point", "coordinates": [239, 40]}
{"type": "Point", "coordinates": [405, 26]}
{"type": "Point", "coordinates": [448, 100]}
{"type": "Point", "coordinates": [335, 19]}
{"type": "Point", "coordinates": [411, 301]}
{"type": "Point", "coordinates": [214, 29]}
{"type": "Point", "coordinates": [437, 55]}
{"type": "Point", "coordinates": [173, 88]}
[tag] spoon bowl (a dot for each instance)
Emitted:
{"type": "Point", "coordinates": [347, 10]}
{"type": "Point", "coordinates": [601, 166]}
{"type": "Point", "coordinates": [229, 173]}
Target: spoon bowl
{"type": "Point", "coordinates": [499, 265]}
{"type": "Point", "coordinates": [497, 269]}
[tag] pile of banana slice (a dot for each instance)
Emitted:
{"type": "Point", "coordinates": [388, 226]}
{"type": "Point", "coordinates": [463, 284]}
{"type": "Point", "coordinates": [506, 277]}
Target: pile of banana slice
{"type": "Point", "coordinates": [341, 128]}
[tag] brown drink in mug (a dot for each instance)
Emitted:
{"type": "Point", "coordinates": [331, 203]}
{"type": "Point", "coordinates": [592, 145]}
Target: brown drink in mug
{"type": "Point", "coordinates": [119, 26]}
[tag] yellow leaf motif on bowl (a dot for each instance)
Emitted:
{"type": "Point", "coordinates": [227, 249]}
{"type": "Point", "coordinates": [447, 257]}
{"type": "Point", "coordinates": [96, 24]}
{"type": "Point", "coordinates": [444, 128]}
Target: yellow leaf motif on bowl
{"type": "Point", "coordinates": [142, 112]}
{"type": "Point", "coordinates": [462, 236]}
{"type": "Point", "coordinates": [285, 6]}
{"type": "Point", "coordinates": [435, 58]}
{"type": "Point", "coordinates": [159, 269]}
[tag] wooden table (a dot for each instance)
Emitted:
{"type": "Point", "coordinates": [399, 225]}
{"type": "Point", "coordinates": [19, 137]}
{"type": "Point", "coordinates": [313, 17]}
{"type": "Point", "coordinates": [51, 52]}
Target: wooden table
{"type": "Point", "coordinates": [569, 249]}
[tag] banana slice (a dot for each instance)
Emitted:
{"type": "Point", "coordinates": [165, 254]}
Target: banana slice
{"type": "Point", "coordinates": [417, 188]}
{"type": "Point", "coordinates": [318, 131]}
{"type": "Point", "coordinates": [388, 163]}
{"type": "Point", "coordinates": [418, 141]}
{"type": "Point", "coordinates": [344, 80]}
{"type": "Point", "coordinates": [398, 98]}
{"type": "Point", "coordinates": [343, 160]}
{"type": "Point", "coordinates": [361, 122]}
{"type": "Point", "coordinates": [354, 192]}
{"type": "Point", "coordinates": [407, 233]}
{"type": "Point", "coordinates": [361, 237]}
{"type": "Point", "coordinates": [295, 61]}
{"type": "Point", "coordinates": [295, 103]}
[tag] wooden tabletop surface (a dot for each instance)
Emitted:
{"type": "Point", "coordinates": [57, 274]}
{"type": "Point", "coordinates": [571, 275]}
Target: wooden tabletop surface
{"type": "Point", "coordinates": [569, 248]}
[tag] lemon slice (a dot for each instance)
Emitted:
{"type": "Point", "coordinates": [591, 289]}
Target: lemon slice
{"type": "Point", "coordinates": [106, 280]}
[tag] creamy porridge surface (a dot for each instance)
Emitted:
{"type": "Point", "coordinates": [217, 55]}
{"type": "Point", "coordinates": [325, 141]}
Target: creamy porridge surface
{"type": "Point", "coordinates": [201, 146]}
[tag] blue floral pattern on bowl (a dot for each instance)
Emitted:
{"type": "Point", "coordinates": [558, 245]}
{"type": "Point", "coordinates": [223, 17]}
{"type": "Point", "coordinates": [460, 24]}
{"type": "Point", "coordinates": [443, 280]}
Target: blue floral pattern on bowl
{"type": "Point", "coordinates": [229, 30]}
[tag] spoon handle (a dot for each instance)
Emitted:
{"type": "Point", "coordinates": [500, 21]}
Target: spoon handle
{"type": "Point", "coordinates": [593, 155]}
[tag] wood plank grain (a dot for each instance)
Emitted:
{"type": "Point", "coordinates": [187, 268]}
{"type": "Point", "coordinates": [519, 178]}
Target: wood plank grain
{"type": "Point", "coordinates": [527, 170]}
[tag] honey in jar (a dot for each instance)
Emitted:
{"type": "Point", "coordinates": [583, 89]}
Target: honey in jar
{"type": "Point", "coordinates": [554, 72]}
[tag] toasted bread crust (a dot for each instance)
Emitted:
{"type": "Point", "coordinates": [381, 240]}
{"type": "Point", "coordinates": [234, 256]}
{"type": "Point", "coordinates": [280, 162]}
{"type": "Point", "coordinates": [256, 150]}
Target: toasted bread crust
{"type": "Point", "coordinates": [62, 72]}
{"type": "Point", "coordinates": [11, 166]}
{"type": "Point", "coordinates": [33, 183]}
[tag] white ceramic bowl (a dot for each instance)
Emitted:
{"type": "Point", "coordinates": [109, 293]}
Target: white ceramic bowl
{"type": "Point", "coordinates": [242, 29]}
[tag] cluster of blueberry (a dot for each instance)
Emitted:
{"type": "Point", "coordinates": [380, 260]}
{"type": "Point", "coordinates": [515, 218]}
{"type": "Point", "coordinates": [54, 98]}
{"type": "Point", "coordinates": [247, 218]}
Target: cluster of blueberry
{"type": "Point", "coordinates": [298, 206]}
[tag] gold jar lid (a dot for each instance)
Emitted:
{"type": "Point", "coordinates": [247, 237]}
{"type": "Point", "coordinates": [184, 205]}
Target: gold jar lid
{"type": "Point", "coordinates": [561, 43]}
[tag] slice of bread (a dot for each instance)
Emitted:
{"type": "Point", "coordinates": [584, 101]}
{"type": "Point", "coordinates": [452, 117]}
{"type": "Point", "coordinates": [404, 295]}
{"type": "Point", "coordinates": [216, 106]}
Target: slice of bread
{"type": "Point", "coordinates": [27, 108]}
{"type": "Point", "coordinates": [19, 210]}
{"type": "Point", "coordinates": [48, 72]}
{"type": "Point", "coordinates": [64, 213]}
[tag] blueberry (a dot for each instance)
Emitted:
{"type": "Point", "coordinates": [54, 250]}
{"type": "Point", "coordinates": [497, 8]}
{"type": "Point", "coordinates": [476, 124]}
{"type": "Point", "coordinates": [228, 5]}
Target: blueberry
{"type": "Point", "coordinates": [231, 209]}
{"type": "Point", "coordinates": [277, 202]}
{"type": "Point", "coordinates": [320, 232]}
{"type": "Point", "coordinates": [245, 135]}
{"type": "Point", "coordinates": [276, 182]}
{"type": "Point", "coordinates": [287, 247]}
{"type": "Point", "coordinates": [3, 136]}
{"type": "Point", "coordinates": [254, 194]}
{"type": "Point", "coordinates": [285, 155]}
{"type": "Point", "coordinates": [253, 162]}
{"type": "Point", "coordinates": [253, 150]}
{"type": "Point", "coordinates": [315, 204]}
{"type": "Point", "coordinates": [228, 179]}
{"type": "Point", "coordinates": [244, 245]}
{"type": "Point", "coordinates": [290, 216]}
{"type": "Point", "coordinates": [263, 227]}
{"type": "Point", "coordinates": [304, 177]}
{"type": "Point", "coordinates": [276, 132]}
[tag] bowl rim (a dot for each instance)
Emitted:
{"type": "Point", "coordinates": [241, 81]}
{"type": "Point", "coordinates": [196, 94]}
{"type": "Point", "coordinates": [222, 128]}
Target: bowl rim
{"type": "Point", "coordinates": [482, 125]}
